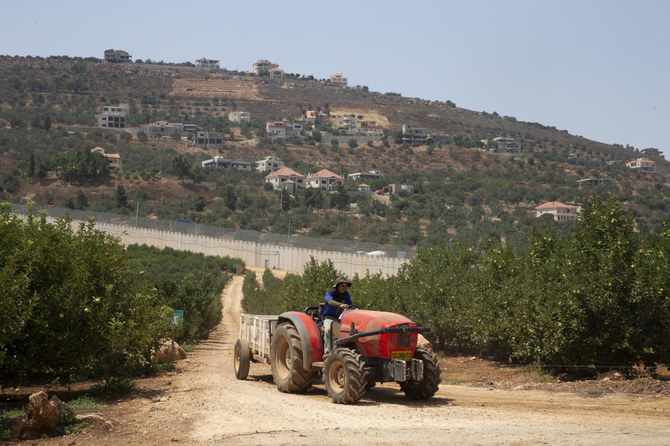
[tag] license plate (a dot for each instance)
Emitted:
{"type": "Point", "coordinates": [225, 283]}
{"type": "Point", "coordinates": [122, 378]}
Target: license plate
{"type": "Point", "coordinates": [402, 354]}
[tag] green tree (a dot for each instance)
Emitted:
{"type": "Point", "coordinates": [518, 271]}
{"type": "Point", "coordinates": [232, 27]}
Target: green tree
{"type": "Point", "coordinates": [120, 198]}
{"type": "Point", "coordinates": [180, 167]}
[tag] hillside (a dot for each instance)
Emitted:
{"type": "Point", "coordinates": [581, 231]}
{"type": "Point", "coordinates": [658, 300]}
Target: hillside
{"type": "Point", "coordinates": [48, 108]}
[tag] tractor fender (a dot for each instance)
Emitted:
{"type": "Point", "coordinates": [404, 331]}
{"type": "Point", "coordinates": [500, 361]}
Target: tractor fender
{"type": "Point", "coordinates": [310, 337]}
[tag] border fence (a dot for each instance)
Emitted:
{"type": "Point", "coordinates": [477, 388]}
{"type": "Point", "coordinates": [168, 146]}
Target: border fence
{"type": "Point", "coordinates": [257, 249]}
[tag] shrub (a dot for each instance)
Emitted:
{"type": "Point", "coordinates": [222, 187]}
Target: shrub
{"type": "Point", "coordinates": [70, 305]}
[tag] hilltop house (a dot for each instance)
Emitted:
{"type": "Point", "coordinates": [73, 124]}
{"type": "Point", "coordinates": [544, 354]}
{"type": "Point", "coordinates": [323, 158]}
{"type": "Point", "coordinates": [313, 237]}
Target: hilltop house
{"type": "Point", "coordinates": [286, 178]}
{"type": "Point", "coordinates": [338, 80]}
{"type": "Point", "coordinates": [113, 116]}
{"type": "Point", "coordinates": [269, 164]}
{"type": "Point", "coordinates": [558, 210]}
{"type": "Point", "coordinates": [641, 164]}
{"type": "Point", "coordinates": [651, 151]}
{"type": "Point", "coordinates": [114, 160]}
{"type": "Point", "coordinates": [220, 162]}
{"type": "Point", "coordinates": [324, 179]}
{"type": "Point", "coordinates": [207, 64]}
{"type": "Point", "coordinates": [263, 66]}
{"type": "Point", "coordinates": [117, 56]}
{"type": "Point", "coordinates": [277, 73]}
{"type": "Point", "coordinates": [239, 116]}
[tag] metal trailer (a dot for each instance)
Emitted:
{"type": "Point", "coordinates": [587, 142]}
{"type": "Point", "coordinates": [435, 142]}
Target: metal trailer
{"type": "Point", "coordinates": [253, 343]}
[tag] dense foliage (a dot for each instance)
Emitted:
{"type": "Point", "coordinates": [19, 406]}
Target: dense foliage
{"type": "Point", "coordinates": [70, 306]}
{"type": "Point", "coordinates": [599, 295]}
{"type": "Point", "coordinates": [186, 281]}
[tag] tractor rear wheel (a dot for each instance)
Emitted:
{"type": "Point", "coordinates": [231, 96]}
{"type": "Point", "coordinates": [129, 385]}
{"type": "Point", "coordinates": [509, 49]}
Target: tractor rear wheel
{"type": "Point", "coordinates": [422, 390]}
{"type": "Point", "coordinates": [241, 359]}
{"type": "Point", "coordinates": [345, 376]}
{"type": "Point", "coordinates": [286, 357]}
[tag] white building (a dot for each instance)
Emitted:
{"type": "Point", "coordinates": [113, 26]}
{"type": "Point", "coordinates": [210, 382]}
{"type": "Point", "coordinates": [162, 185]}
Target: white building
{"type": "Point", "coordinates": [207, 64]}
{"type": "Point", "coordinates": [370, 175]}
{"type": "Point", "coordinates": [286, 178]}
{"type": "Point", "coordinates": [269, 164]}
{"type": "Point", "coordinates": [220, 162]}
{"type": "Point", "coordinates": [324, 179]}
{"type": "Point", "coordinates": [283, 129]}
{"type": "Point", "coordinates": [642, 164]}
{"type": "Point", "coordinates": [558, 211]}
{"type": "Point", "coordinates": [239, 116]}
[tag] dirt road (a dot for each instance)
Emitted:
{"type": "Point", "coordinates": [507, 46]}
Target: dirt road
{"type": "Point", "coordinates": [203, 403]}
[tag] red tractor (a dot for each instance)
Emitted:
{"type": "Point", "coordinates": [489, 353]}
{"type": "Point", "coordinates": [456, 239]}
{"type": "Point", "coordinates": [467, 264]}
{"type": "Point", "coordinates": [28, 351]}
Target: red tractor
{"type": "Point", "coordinates": [369, 347]}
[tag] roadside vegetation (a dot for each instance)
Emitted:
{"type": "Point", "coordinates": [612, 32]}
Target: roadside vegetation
{"type": "Point", "coordinates": [596, 296]}
{"type": "Point", "coordinates": [76, 305]}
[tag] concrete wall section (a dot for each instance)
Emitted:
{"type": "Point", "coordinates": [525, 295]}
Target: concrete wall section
{"type": "Point", "coordinates": [255, 254]}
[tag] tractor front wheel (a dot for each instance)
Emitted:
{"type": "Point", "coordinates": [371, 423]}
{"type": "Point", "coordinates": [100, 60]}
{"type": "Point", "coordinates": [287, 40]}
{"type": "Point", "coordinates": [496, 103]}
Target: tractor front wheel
{"type": "Point", "coordinates": [422, 390]}
{"type": "Point", "coordinates": [345, 376]}
{"type": "Point", "coordinates": [286, 357]}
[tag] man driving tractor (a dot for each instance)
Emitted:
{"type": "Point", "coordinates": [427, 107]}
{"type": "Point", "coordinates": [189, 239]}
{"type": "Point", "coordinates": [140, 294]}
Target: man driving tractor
{"type": "Point", "coordinates": [337, 300]}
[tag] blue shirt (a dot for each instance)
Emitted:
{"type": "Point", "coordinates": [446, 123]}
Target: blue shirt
{"type": "Point", "coordinates": [334, 311]}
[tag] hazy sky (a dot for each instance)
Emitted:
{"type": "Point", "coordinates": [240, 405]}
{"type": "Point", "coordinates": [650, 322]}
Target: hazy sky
{"type": "Point", "coordinates": [597, 68]}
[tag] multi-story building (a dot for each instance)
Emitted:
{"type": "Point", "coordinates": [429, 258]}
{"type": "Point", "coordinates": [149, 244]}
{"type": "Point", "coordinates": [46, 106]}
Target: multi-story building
{"type": "Point", "coordinates": [283, 129]}
{"type": "Point", "coordinates": [642, 164]}
{"type": "Point", "coordinates": [370, 175]}
{"type": "Point", "coordinates": [209, 140]}
{"type": "Point", "coordinates": [413, 135]}
{"type": "Point", "coordinates": [207, 64]}
{"type": "Point", "coordinates": [117, 56]}
{"type": "Point", "coordinates": [324, 179]}
{"type": "Point", "coordinates": [338, 80]}
{"type": "Point", "coordinates": [286, 178]}
{"type": "Point", "coordinates": [239, 116]}
{"type": "Point", "coordinates": [558, 211]}
{"type": "Point", "coordinates": [269, 164]}
{"type": "Point", "coordinates": [277, 73]}
{"type": "Point", "coordinates": [113, 116]}
{"type": "Point", "coordinates": [347, 123]}
{"type": "Point", "coordinates": [263, 65]}
{"type": "Point", "coordinates": [651, 151]}
{"type": "Point", "coordinates": [219, 162]}
{"type": "Point", "coordinates": [506, 145]}
{"type": "Point", "coordinates": [372, 130]}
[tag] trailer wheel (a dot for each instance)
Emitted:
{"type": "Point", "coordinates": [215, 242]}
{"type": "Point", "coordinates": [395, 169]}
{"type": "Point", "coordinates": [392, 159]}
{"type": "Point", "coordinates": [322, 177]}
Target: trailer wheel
{"type": "Point", "coordinates": [287, 360]}
{"type": "Point", "coordinates": [241, 358]}
{"type": "Point", "coordinates": [345, 375]}
{"type": "Point", "coordinates": [422, 390]}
